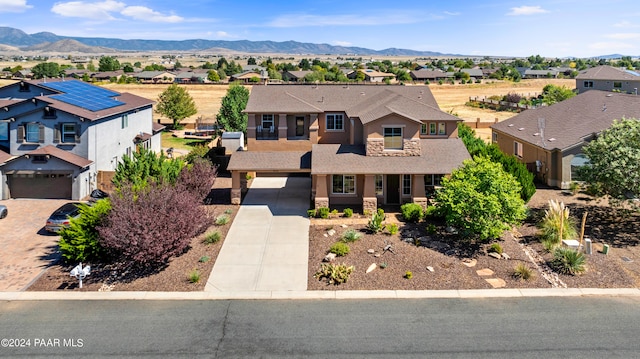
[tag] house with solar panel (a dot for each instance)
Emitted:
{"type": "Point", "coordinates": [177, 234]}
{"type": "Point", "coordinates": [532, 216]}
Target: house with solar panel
{"type": "Point", "coordinates": [608, 78]}
{"type": "Point", "coordinates": [57, 136]}
{"type": "Point", "coordinates": [363, 146]}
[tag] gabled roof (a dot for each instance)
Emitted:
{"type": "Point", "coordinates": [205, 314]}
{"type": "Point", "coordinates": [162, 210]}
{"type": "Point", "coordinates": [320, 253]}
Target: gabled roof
{"type": "Point", "coordinates": [131, 102]}
{"type": "Point", "coordinates": [473, 72]}
{"type": "Point", "coordinates": [152, 74]}
{"type": "Point", "coordinates": [374, 73]}
{"type": "Point", "coordinates": [429, 74]}
{"type": "Point", "coordinates": [4, 157]}
{"type": "Point", "coordinates": [571, 121]}
{"type": "Point", "coordinates": [608, 73]}
{"type": "Point", "coordinates": [299, 74]}
{"type": "Point", "coordinates": [366, 102]}
{"type": "Point", "coordinates": [66, 156]}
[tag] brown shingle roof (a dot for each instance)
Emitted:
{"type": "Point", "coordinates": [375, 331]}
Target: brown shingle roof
{"type": "Point", "coordinates": [364, 101]}
{"type": "Point", "coordinates": [4, 157]}
{"type": "Point", "coordinates": [569, 122]}
{"type": "Point", "coordinates": [439, 156]}
{"type": "Point", "coordinates": [279, 161]}
{"type": "Point", "coordinates": [608, 73]}
{"type": "Point", "coordinates": [63, 155]}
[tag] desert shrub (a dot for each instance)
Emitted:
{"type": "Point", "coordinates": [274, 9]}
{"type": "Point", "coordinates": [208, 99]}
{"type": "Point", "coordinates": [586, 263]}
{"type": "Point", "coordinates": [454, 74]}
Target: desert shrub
{"type": "Point", "coordinates": [574, 187]}
{"type": "Point", "coordinates": [550, 225]}
{"type": "Point", "coordinates": [323, 212]}
{"type": "Point", "coordinates": [348, 212]}
{"type": "Point", "coordinates": [80, 241]}
{"type": "Point", "coordinates": [512, 97]}
{"type": "Point", "coordinates": [311, 213]}
{"type": "Point", "coordinates": [334, 212]}
{"type": "Point", "coordinates": [334, 273]}
{"type": "Point", "coordinates": [194, 276]}
{"type": "Point", "coordinates": [383, 265]}
{"type": "Point", "coordinates": [408, 274]}
{"type": "Point", "coordinates": [340, 249]}
{"type": "Point", "coordinates": [523, 272]}
{"type": "Point", "coordinates": [411, 212]}
{"type": "Point", "coordinates": [228, 211]}
{"type": "Point", "coordinates": [392, 228]}
{"type": "Point", "coordinates": [221, 220]}
{"type": "Point", "coordinates": [375, 223]}
{"type": "Point", "coordinates": [568, 261]}
{"type": "Point", "coordinates": [495, 247]}
{"type": "Point", "coordinates": [148, 227]}
{"type": "Point", "coordinates": [212, 238]}
{"type": "Point", "coordinates": [351, 235]}
{"type": "Point", "coordinates": [204, 259]}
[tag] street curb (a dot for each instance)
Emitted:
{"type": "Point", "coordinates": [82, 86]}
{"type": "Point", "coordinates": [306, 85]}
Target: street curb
{"type": "Point", "coordinates": [324, 295]}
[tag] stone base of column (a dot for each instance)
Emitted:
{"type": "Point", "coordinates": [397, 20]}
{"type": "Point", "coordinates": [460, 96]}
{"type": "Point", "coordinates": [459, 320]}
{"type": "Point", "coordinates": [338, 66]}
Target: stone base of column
{"type": "Point", "coordinates": [369, 205]}
{"type": "Point", "coordinates": [236, 196]}
{"type": "Point", "coordinates": [422, 201]}
{"type": "Point", "coordinates": [320, 202]}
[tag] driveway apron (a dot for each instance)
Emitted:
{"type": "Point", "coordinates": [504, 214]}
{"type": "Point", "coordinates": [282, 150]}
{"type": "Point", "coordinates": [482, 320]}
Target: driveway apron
{"type": "Point", "coordinates": [267, 246]}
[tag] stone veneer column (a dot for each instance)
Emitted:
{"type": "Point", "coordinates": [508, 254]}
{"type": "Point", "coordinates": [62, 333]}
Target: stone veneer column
{"type": "Point", "coordinates": [369, 199]}
{"type": "Point", "coordinates": [322, 194]}
{"type": "Point", "coordinates": [236, 191]}
{"type": "Point", "coordinates": [410, 147]}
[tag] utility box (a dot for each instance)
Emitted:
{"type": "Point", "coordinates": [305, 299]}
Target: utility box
{"type": "Point", "coordinates": [233, 141]}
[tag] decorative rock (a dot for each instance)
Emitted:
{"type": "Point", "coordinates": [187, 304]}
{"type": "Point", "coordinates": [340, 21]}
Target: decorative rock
{"type": "Point", "coordinates": [331, 232]}
{"type": "Point", "coordinates": [484, 272]}
{"type": "Point", "coordinates": [329, 257]}
{"type": "Point", "coordinates": [371, 251]}
{"type": "Point", "coordinates": [344, 226]}
{"type": "Point", "coordinates": [496, 282]}
{"type": "Point", "coordinates": [377, 255]}
{"type": "Point", "coordinates": [326, 235]}
{"type": "Point", "coordinates": [495, 255]}
{"type": "Point", "coordinates": [506, 256]}
{"type": "Point", "coordinates": [430, 268]}
{"type": "Point", "coordinates": [371, 267]}
{"type": "Point", "coordinates": [470, 262]}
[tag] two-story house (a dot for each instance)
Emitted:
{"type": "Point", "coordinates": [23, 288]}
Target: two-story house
{"type": "Point", "coordinates": [56, 136]}
{"type": "Point", "coordinates": [362, 145]}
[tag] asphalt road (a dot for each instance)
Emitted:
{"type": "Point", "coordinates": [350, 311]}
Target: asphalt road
{"type": "Point", "coordinates": [596, 327]}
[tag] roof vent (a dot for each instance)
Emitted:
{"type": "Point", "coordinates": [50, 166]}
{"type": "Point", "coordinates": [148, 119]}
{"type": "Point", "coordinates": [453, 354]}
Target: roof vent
{"type": "Point", "coordinates": [521, 128]}
{"type": "Point", "coordinates": [537, 134]}
{"type": "Point", "coordinates": [511, 125]}
{"type": "Point", "coordinates": [610, 95]}
{"type": "Point", "coordinates": [552, 139]}
{"type": "Point", "coordinates": [604, 107]}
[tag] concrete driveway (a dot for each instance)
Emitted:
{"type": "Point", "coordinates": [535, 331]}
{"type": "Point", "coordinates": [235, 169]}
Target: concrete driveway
{"type": "Point", "coordinates": [267, 246]}
{"type": "Point", "coordinates": [26, 249]}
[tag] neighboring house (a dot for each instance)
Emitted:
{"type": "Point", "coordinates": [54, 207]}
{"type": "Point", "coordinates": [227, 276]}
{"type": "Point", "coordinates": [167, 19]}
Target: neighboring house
{"type": "Point", "coordinates": [474, 73]}
{"type": "Point", "coordinates": [295, 76]}
{"type": "Point", "coordinates": [608, 78]}
{"type": "Point", "coordinates": [22, 74]}
{"type": "Point", "coordinates": [61, 134]}
{"type": "Point", "coordinates": [429, 75]}
{"type": "Point", "coordinates": [249, 77]}
{"type": "Point", "coordinates": [155, 77]}
{"type": "Point", "coordinates": [550, 139]}
{"type": "Point", "coordinates": [372, 75]}
{"type": "Point", "coordinates": [107, 75]}
{"type": "Point", "coordinates": [362, 145]}
{"type": "Point", "coordinates": [186, 77]}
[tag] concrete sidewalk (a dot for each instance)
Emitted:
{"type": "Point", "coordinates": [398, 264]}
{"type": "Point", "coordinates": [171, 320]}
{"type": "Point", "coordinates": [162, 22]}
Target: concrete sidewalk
{"type": "Point", "coordinates": [267, 246]}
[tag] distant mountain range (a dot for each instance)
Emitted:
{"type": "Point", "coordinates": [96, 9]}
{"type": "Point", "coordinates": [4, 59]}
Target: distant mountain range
{"type": "Point", "coordinates": [47, 41]}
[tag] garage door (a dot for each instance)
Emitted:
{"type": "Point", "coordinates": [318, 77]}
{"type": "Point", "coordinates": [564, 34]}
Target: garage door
{"type": "Point", "coordinates": [38, 185]}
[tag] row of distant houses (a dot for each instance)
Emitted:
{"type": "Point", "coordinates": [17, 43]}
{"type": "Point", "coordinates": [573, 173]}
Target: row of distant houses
{"type": "Point", "coordinates": [426, 74]}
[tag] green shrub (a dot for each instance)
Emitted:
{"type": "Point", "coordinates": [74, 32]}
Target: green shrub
{"type": "Point", "coordinates": [348, 212]}
{"type": "Point", "coordinates": [323, 212]}
{"type": "Point", "coordinates": [411, 212]}
{"type": "Point", "coordinates": [392, 228]}
{"type": "Point", "coordinates": [194, 276]}
{"type": "Point", "coordinates": [222, 220]}
{"type": "Point", "coordinates": [351, 235]}
{"type": "Point", "coordinates": [495, 247]}
{"type": "Point", "coordinates": [311, 213]}
{"type": "Point", "coordinates": [432, 212]}
{"type": "Point", "coordinates": [334, 212]}
{"type": "Point", "coordinates": [431, 228]}
{"type": "Point", "coordinates": [523, 272]}
{"type": "Point", "coordinates": [574, 187]}
{"type": "Point", "coordinates": [248, 177]}
{"type": "Point", "coordinates": [80, 241]}
{"type": "Point", "coordinates": [550, 225]}
{"type": "Point", "coordinates": [408, 274]}
{"type": "Point", "coordinates": [340, 249]}
{"type": "Point", "coordinates": [204, 259]}
{"type": "Point", "coordinates": [196, 153]}
{"type": "Point", "coordinates": [211, 238]}
{"type": "Point", "coordinates": [568, 261]}
{"type": "Point", "coordinates": [334, 273]}
{"type": "Point", "coordinates": [228, 211]}
{"type": "Point", "coordinates": [375, 223]}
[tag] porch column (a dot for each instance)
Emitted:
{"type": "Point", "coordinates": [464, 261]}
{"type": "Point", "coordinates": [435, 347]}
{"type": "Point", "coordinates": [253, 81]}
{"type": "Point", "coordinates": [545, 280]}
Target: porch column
{"type": "Point", "coordinates": [236, 190]}
{"type": "Point", "coordinates": [282, 126]}
{"type": "Point", "coordinates": [369, 199]}
{"type": "Point", "coordinates": [322, 193]}
{"type": "Point", "coordinates": [313, 128]}
{"type": "Point", "coordinates": [417, 190]}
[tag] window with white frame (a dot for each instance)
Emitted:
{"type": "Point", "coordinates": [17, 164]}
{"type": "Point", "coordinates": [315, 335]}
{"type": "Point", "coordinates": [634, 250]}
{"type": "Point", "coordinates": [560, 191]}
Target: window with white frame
{"type": "Point", "coordinates": [267, 121]}
{"type": "Point", "coordinates": [432, 128]}
{"type": "Point", "coordinates": [32, 132]}
{"type": "Point", "coordinates": [392, 138]}
{"type": "Point", "coordinates": [517, 149]}
{"type": "Point", "coordinates": [442, 128]}
{"type": "Point", "coordinates": [334, 122]}
{"type": "Point", "coordinates": [406, 185]}
{"type": "Point", "coordinates": [4, 131]}
{"type": "Point", "coordinates": [423, 129]}
{"type": "Point", "coordinates": [125, 121]}
{"type": "Point", "coordinates": [344, 184]}
{"type": "Point", "coordinates": [379, 184]}
{"type": "Point", "coordinates": [68, 132]}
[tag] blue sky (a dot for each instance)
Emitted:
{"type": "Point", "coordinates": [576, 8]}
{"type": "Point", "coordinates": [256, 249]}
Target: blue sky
{"type": "Point", "coordinates": [560, 28]}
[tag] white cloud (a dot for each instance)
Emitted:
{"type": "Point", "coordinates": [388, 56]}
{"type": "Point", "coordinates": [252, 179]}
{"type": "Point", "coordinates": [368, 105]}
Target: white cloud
{"type": "Point", "coordinates": [527, 10]}
{"type": "Point", "coordinates": [14, 6]}
{"type": "Point", "coordinates": [223, 34]}
{"type": "Point", "coordinates": [342, 43]}
{"type": "Point", "coordinates": [300, 20]}
{"type": "Point", "coordinates": [452, 13]}
{"type": "Point", "coordinates": [624, 36]}
{"type": "Point", "coordinates": [96, 11]}
{"type": "Point", "coordinates": [144, 13]}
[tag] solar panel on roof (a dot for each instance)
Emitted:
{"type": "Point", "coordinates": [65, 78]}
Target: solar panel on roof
{"type": "Point", "coordinates": [84, 95]}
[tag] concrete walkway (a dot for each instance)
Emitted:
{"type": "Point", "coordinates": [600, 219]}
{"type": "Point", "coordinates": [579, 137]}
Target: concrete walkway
{"type": "Point", "coordinates": [267, 246]}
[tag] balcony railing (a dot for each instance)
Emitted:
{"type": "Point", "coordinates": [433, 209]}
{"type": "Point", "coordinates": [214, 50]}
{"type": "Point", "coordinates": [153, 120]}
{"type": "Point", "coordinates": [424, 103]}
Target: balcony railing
{"type": "Point", "coordinates": [270, 133]}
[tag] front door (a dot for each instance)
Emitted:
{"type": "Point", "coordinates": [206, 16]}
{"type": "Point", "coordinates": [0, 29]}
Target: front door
{"type": "Point", "coordinates": [299, 126]}
{"type": "Point", "coordinates": [393, 189]}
